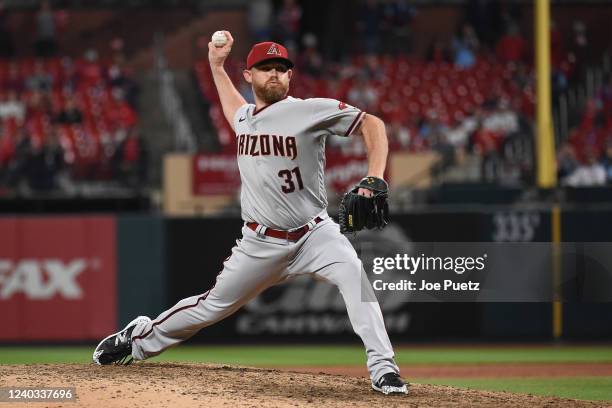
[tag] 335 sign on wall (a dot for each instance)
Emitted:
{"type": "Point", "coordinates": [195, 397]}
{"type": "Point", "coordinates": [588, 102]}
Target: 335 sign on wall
{"type": "Point", "coordinates": [57, 278]}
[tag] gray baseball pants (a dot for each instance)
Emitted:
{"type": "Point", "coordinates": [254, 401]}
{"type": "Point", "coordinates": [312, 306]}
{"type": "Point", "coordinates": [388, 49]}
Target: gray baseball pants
{"type": "Point", "coordinates": [258, 262]}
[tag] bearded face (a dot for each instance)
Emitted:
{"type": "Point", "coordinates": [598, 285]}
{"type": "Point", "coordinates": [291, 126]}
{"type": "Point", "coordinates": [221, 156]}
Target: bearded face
{"type": "Point", "coordinates": [271, 91]}
{"type": "Point", "coordinates": [270, 81]}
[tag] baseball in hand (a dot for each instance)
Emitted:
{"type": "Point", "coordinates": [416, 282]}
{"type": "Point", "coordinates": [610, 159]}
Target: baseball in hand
{"type": "Point", "coordinates": [219, 39]}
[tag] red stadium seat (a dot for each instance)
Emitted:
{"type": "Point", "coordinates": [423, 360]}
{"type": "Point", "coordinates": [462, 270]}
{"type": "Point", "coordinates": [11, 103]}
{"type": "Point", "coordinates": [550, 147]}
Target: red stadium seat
{"type": "Point", "coordinates": [408, 88]}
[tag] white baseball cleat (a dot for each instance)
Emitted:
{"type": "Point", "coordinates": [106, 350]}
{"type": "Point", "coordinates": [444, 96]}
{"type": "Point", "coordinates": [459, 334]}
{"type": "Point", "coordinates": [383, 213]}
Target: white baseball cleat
{"type": "Point", "coordinates": [117, 348]}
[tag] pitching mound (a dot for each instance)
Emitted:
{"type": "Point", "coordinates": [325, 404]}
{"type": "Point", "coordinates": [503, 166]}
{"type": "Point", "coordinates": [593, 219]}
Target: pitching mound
{"type": "Point", "coordinates": [147, 385]}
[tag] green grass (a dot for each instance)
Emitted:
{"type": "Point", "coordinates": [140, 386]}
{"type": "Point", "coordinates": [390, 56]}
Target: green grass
{"type": "Point", "coordinates": [325, 355]}
{"type": "Point", "coordinates": [587, 388]}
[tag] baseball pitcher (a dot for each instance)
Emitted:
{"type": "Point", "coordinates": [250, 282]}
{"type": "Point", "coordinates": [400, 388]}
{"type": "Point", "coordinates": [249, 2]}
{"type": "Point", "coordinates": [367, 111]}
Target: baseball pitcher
{"type": "Point", "coordinates": [286, 232]}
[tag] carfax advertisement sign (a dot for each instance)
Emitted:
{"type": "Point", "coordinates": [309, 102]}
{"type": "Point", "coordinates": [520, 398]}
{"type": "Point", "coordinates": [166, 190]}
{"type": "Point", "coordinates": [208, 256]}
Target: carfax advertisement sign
{"type": "Point", "coordinates": [57, 278]}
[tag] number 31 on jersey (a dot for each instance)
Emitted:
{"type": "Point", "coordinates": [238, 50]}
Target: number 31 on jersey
{"type": "Point", "coordinates": [288, 177]}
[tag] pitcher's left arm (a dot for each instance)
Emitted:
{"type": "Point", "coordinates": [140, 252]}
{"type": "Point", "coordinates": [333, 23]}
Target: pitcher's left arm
{"type": "Point", "coordinates": [375, 137]}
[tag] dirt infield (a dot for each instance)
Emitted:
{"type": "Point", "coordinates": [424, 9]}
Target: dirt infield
{"type": "Point", "coordinates": [195, 385]}
{"type": "Point", "coordinates": [477, 370]}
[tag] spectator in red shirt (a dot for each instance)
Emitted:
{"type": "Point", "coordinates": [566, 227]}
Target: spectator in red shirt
{"type": "Point", "coordinates": [486, 141]}
{"type": "Point", "coordinates": [438, 52]}
{"type": "Point", "coordinates": [486, 144]}
{"type": "Point", "coordinates": [592, 133]}
{"type": "Point", "coordinates": [126, 115]}
{"type": "Point", "coordinates": [512, 46]}
{"type": "Point", "coordinates": [90, 71]}
{"type": "Point", "coordinates": [556, 45]}
{"type": "Point", "coordinates": [38, 107]}
{"type": "Point", "coordinates": [130, 159]}
{"type": "Point", "coordinates": [7, 151]}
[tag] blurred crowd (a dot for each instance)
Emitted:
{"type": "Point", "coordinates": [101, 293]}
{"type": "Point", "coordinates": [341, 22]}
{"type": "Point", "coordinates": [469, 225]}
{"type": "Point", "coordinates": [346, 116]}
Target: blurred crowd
{"type": "Point", "coordinates": [585, 159]}
{"type": "Point", "coordinates": [464, 92]}
{"type": "Point", "coordinates": [470, 94]}
{"type": "Point", "coordinates": [66, 120]}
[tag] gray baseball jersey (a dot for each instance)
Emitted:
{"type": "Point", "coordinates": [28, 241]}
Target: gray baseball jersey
{"type": "Point", "coordinates": [281, 156]}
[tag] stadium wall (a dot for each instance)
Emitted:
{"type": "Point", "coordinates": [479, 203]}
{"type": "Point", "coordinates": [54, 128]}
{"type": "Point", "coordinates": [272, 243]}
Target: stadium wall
{"type": "Point", "coordinates": [76, 278]}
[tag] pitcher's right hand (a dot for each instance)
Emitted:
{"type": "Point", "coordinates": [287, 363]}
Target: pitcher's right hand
{"type": "Point", "coordinates": [217, 55]}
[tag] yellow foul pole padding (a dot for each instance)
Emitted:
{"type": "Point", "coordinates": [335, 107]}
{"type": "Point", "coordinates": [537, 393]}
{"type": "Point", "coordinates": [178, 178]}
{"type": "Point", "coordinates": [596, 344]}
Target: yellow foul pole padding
{"type": "Point", "coordinates": [545, 144]}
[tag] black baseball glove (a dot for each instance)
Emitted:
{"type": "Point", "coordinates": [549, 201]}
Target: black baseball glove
{"type": "Point", "coordinates": [358, 212]}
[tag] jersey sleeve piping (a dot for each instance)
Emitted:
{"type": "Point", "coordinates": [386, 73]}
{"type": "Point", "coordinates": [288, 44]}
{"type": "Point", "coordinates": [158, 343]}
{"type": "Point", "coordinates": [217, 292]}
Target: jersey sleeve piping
{"type": "Point", "coordinates": [355, 123]}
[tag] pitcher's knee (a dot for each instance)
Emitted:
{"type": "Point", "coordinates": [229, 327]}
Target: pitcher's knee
{"type": "Point", "coordinates": [344, 274]}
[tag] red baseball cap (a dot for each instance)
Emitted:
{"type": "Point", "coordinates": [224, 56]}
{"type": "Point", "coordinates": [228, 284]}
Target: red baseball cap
{"type": "Point", "coordinates": [268, 50]}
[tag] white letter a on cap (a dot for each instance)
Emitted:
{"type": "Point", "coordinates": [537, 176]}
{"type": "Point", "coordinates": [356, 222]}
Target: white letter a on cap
{"type": "Point", "coordinates": [273, 50]}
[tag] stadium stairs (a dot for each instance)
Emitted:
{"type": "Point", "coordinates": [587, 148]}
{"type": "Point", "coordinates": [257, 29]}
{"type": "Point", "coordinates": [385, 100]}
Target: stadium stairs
{"type": "Point", "coordinates": [179, 48]}
{"type": "Point", "coordinates": [196, 110]}
{"type": "Point", "coordinates": [154, 125]}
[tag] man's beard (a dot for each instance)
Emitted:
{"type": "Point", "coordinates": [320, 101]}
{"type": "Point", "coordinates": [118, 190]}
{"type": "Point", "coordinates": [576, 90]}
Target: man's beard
{"type": "Point", "coordinates": [271, 93]}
